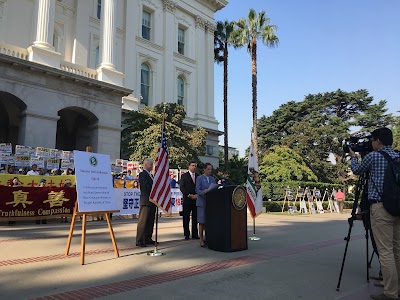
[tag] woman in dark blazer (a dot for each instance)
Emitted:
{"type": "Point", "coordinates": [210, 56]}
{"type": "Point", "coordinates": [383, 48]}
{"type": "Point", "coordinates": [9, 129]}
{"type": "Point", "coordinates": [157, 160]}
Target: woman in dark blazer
{"type": "Point", "coordinates": [203, 183]}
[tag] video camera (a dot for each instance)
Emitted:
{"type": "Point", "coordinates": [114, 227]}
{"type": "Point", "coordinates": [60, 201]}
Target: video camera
{"type": "Point", "coordinates": [360, 142]}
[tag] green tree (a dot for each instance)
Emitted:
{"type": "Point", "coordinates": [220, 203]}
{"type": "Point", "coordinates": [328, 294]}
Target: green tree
{"type": "Point", "coordinates": [247, 33]}
{"type": "Point", "coordinates": [316, 127]}
{"type": "Point", "coordinates": [222, 41]}
{"type": "Point", "coordinates": [282, 164]}
{"type": "Point", "coordinates": [143, 131]}
{"type": "Point", "coordinates": [396, 133]}
{"type": "Point", "coordinates": [236, 171]}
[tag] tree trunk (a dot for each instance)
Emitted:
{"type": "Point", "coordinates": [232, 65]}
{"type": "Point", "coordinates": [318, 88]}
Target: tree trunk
{"type": "Point", "coordinates": [226, 106]}
{"type": "Point", "coordinates": [254, 93]}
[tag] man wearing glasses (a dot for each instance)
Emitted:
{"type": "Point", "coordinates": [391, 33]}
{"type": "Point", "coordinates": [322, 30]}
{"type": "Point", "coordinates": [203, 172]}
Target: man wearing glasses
{"type": "Point", "coordinates": [385, 227]}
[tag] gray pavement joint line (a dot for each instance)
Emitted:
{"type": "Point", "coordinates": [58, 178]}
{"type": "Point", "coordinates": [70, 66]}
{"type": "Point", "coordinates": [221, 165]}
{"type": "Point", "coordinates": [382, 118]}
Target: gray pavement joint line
{"type": "Point", "coordinates": [148, 280]}
{"type": "Point", "coordinates": [36, 259]}
{"type": "Point", "coordinates": [274, 254]}
{"type": "Point", "coordinates": [77, 233]}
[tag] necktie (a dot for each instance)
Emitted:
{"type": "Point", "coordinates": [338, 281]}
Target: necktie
{"type": "Point", "coordinates": [208, 180]}
{"type": "Point", "coordinates": [193, 178]}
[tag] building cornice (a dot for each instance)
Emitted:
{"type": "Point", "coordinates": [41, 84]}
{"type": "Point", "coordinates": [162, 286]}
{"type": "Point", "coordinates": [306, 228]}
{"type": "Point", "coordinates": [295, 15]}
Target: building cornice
{"type": "Point", "coordinates": [214, 4]}
{"type": "Point", "coordinates": [52, 72]}
{"type": "Point", "coordinates": [148, 44]}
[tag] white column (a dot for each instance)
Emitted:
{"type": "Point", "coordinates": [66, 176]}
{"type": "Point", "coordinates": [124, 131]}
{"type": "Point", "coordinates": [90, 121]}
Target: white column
{"type": "Point", "coordinates": [81, 46]}
{"type": "Point", "coordinates": [169, 48]}
{"type": "Point", "coordinates": [132, 11]}
{"type": "Point", "coordinates": [2, 21]}
{"type": "Point", "coordinates": [45, 23]}
{"type": "Point", "coordinates": [108, 31]}
{"type": "Point", "coordinates": [200, 108]}
{"type": "Point", "coordinates": [107, 71]}
{"type": "Point", "coordinates": [210, 69]}
{"type": "Point", "coordinates": [42, 50]}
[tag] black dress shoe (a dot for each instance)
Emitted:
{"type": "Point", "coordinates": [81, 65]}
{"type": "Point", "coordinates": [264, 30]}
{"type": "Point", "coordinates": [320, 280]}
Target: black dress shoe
{"type": "Point", "coordinates": [195, 238]}
{"type": "Point", "coordinates": [151, 242]}
{"type": "Point", "coordinates": [186, 237]}
{"type": "Point", "coordinates": [141, 245]}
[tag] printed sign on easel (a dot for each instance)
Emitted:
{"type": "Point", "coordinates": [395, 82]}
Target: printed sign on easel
{"type": "Point", "coordinates": [317, 197]}
{"type": "Point", "coordinates": [310, 199]}
{"type": "Point", "coordinates": [94, 182]}
{"type": "Point", "coordinates": [300, 195]}
{"type": "Point", "coordinates": [333, 205]}
{"type": "Point", "coordinates": [289, 198]}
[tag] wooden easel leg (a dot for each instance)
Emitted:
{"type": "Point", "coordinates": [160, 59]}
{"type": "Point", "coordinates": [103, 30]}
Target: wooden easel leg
{"type": "Point", "coordinates": [112, 234]}
{"type": "Point", "coordinates": [71, 229]}
{"type": "Point", "coordinates": [83, 239]}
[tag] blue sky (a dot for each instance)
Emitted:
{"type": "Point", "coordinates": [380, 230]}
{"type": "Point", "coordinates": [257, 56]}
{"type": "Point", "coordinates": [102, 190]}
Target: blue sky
{"type": "Point", "coordinates": [324, 46]}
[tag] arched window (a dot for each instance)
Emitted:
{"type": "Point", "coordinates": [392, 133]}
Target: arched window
{"type": "Point", "coordinates": [98, 9]}
{"type": "Point", "coordinates": [96, 56]}
{"type": "Point", "coordinates": [144, 84]}
{"type": "Point", "coordinates": [55, 41]}
{"type": "Point", "coordinates": [181, 90]}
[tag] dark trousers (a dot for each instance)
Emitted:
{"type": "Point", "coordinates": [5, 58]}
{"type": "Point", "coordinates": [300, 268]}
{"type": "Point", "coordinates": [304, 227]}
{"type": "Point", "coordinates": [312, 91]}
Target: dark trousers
{"type": "Point", "coordinates": [145, 225]}
{"type": "Point", "coordinates": [189, 206]}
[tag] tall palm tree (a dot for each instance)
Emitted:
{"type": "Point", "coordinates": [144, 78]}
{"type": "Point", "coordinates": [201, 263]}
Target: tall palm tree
{"type": "Point", "coordinates": [247, 33]}
{"type": "Point", "coordinates": [221, 42]}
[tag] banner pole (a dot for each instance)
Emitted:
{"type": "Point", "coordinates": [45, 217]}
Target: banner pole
{"type": "Point", "coordinates": [254, 238]}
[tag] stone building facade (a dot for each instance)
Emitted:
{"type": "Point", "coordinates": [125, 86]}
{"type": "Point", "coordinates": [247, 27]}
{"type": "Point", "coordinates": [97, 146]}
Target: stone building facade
{"type": "Point", "coordinates": [70, 68]}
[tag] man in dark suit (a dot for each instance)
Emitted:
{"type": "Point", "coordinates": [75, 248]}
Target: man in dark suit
{"type": "Point", "coordinates": [188, 188]}
{"type": "Point", "coordinates": [147, 209]}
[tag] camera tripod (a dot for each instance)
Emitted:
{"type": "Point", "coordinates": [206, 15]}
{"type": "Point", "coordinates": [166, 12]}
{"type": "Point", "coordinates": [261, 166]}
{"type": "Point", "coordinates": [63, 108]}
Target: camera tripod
{"type": "Point", "coordinates": [361, 190]}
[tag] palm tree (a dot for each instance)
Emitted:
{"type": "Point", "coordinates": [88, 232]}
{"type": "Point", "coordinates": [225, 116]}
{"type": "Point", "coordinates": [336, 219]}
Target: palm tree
{"type": "Point", "coordinates": [247, 32]}
{"type": "Point", "coordinates": [221, 42]}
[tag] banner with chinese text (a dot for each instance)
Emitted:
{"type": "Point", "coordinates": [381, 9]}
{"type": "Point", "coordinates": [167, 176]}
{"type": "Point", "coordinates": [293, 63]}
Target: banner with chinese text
{"type": "Point", "coordinates": [35, 202]}
{"type": "Point", "coordinates": [33, 181]}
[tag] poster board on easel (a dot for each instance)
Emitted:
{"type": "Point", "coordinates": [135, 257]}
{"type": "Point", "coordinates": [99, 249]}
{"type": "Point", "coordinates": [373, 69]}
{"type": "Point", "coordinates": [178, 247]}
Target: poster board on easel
{"type": "Point", "coordinates": [289, 198]}
{"type": "Point", "coordinates": [301, 196]}
{"type": "Point", "coordinates": [95, 193]}
{"type": "Point", "coordinates": [333, 206]}
{"type": "Point", "coordinates": [318, 197]}
{"type": "Point", "coordinates": [310, 200]}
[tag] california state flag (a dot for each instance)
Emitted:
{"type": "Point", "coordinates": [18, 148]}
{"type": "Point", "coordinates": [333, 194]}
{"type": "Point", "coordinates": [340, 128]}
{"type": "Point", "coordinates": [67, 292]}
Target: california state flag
{"type": "Point", "coordinates": [253, 195]}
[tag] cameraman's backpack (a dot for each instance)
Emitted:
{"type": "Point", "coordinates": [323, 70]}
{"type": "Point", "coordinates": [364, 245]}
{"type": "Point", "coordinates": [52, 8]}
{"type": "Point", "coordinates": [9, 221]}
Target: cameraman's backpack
{"type": "Point", "coordinates": [391, 185]}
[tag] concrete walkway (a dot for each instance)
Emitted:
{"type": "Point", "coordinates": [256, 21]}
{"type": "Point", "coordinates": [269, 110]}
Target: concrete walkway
{"type": "Point", "coordinates": [298, 257]}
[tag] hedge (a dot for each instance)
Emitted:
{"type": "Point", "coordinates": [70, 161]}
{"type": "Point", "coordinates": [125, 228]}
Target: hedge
{"type": "Point", "coordinates": [276, 206]}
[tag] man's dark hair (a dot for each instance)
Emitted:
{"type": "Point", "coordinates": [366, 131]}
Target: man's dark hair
{"type": "Point", "coordinates": [192, 162]}
{"type": "Point", "coordinates": [384, 134]}
{"type": "Point", "coordinates": [206, 165]}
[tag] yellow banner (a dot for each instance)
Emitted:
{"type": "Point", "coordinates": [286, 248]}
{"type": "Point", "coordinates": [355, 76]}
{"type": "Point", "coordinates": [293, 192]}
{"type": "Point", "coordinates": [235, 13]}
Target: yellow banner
{"type": "Point", "coordinates": [33, 181]}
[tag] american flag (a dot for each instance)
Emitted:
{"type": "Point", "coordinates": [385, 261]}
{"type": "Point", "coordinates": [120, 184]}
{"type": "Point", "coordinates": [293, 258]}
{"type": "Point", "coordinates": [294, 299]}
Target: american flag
{"type": "Point", "coordinates": [161, 191]}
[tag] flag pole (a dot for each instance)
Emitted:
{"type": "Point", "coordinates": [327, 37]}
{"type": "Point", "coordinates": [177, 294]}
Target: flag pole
{"type": "Point", "coordinates": [254, 237]}
{"type": "Point", "coordinates": [155, 252]}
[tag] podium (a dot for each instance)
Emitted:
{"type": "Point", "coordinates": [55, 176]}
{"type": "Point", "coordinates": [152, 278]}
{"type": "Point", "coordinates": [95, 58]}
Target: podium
{"type": "Point", "coordinates": [226, 224]}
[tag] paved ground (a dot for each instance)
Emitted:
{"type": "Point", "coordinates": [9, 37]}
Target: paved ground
{"type": "Point", "coordinates": [298, 257]}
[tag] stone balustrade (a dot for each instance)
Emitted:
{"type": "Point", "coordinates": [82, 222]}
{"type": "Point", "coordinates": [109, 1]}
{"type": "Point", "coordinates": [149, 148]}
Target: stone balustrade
{"type": "Point", "coordinates": [78, 70]}
{"type": "Point", "coordinates": [14, 51]}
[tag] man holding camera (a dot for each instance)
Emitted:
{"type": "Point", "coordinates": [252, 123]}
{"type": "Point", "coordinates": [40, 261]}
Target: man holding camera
{"type": "Point", "coordinates": [385, 227]}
